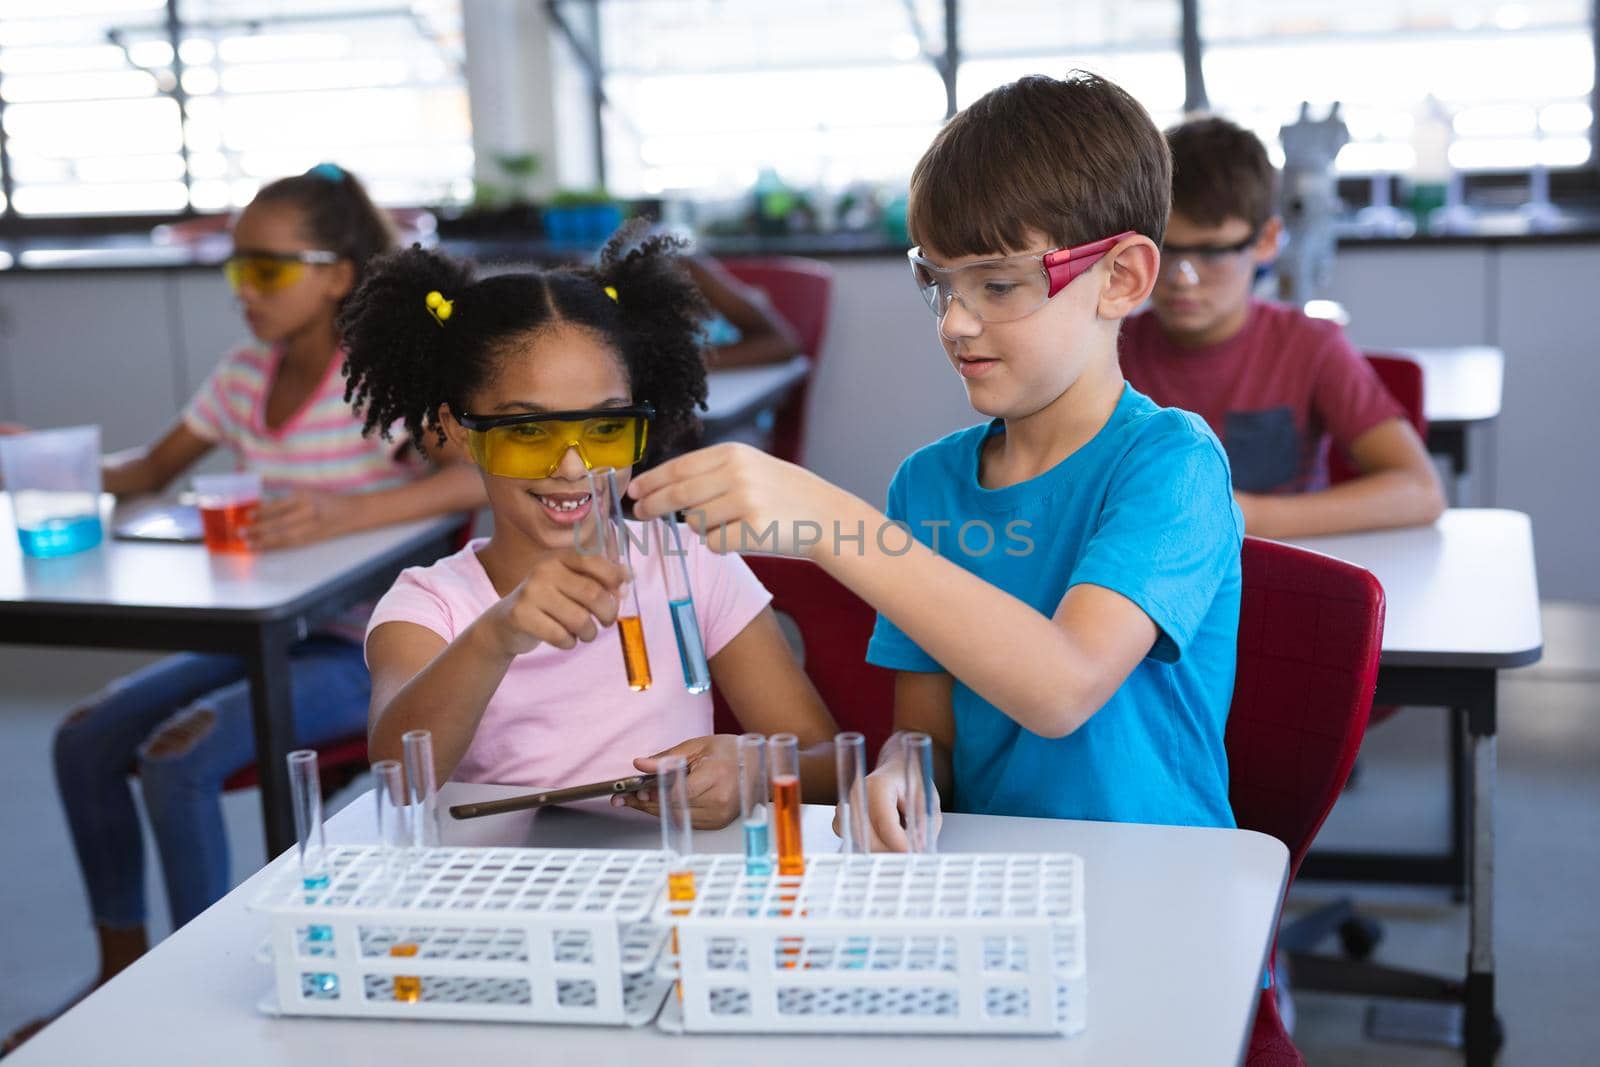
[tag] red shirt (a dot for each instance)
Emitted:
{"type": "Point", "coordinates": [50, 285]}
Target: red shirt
{"type": "Point", "coordinates": [1276, 392]}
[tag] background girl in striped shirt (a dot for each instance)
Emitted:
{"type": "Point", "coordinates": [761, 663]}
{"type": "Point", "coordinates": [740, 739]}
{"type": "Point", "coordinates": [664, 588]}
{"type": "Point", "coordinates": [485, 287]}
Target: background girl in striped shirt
{"type": "Point", "coordinates": [278, 404]}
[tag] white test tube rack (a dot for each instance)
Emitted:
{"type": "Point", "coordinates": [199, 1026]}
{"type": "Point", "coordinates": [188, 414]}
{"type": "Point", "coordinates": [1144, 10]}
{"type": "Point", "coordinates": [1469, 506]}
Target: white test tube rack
{"type": "Point", "coordinates": [977, 943]}
{"type": "Point", "coordinates": [506, 934]}
{"type": "Point", "coordinates": [882, 943]}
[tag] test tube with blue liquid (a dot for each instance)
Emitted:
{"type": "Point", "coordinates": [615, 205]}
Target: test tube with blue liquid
{"type": "Point", "coordinates": [755, 814]}
{"type": "Point", "coordinates": [311, 848]}
{"type": "Point", "coordinates": [680, 599]}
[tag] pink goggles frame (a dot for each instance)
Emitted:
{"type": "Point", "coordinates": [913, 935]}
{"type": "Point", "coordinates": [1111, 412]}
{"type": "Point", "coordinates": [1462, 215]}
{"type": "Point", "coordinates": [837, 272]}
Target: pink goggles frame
{"type": "Point", "coordinates": [1062, 265]}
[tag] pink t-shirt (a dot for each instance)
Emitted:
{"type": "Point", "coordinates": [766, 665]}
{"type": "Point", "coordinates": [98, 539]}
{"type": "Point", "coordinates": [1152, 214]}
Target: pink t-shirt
{"type": "Point", "coordinates": [567, 717]}
{"type": "Point", "coordinates": [1275, 393]}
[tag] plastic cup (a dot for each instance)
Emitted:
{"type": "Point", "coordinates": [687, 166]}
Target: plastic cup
{"type": "Point", "coordinates": [228, 505]}
{"type": "Point", "coordinates": [53, 477]}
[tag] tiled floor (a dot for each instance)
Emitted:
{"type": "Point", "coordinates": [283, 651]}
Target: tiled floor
{"type": "Point", "coordinates": [1548, 847]}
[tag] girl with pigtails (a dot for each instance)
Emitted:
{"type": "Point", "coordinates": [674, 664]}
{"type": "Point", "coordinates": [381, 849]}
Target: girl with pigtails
{"type": "Point", "coordinates": [504, 650]}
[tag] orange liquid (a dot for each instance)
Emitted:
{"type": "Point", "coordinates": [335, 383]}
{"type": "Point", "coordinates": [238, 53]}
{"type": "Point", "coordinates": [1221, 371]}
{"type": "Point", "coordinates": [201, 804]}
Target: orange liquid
{"type": "Point", "coordinates": [680, 889]}
{"type": "Point", "coordinates": [224, 526]}
{"type": "Point", "coordinates": [633, 653]}
{"type": "Point", "coordinates": [407, 987]}
{"type": "Point", "coordinates": [680, 885]}
{"type": "Point", "coordinates": [786, 821]}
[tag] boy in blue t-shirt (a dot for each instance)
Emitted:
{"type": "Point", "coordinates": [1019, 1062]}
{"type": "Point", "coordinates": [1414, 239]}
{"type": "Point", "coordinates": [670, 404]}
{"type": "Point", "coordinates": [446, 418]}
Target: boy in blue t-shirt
{"type": "Point", "coordinates": [1058, 587]}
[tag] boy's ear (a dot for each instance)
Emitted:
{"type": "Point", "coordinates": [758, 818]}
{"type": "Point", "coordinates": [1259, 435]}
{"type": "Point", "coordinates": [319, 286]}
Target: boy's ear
{"type": "Point", "coordinates": [1265, 250]}
{"type": "Point", "coordinates": [1134, 264]}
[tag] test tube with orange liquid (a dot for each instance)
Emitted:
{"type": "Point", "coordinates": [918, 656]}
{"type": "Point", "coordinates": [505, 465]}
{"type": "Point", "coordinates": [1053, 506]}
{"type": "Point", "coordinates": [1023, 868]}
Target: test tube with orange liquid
{"type": "Point", "coordinates": [783, 768]}
{"type": "Point", "coordinates": [677, 839]}
{"type": "Point", "coordinates": [783, 756]}
{"type": "Point", "coordinates": [612, 534]}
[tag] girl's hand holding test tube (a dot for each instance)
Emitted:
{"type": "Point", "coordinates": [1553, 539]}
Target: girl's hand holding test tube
{"type": "Point", "coordinates": [567, 597]}
{"type": "Point", "coordinates": [713, 780]}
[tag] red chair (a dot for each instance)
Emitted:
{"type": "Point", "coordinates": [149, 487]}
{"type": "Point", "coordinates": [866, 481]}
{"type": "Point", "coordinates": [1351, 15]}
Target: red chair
{"type": "Point", "coordinates": [1310, 631]}
{"type": "Point", "coordinates": [1402, 376]}
{"type": "Point", "coordinates": [835, 626]}
{"type": "Point", "coordinates": [338, 763]}
{"type": "Point", "coordinates": [801, 290]}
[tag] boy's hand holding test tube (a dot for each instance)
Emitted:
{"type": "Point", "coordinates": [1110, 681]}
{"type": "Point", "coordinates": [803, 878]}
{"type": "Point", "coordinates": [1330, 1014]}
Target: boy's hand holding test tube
{"type": "Point", "coordinates": [723, 486]}
{"type": "Point", "coordinates": [713, 780]}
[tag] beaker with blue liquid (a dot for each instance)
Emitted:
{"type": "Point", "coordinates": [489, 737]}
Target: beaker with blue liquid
{"type": "Point", "coordinates": [53, 477]}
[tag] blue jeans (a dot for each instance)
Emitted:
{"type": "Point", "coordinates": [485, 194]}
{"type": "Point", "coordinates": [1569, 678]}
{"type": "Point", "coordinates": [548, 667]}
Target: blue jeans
{"type": "Point", "coordinates": [185, 723]}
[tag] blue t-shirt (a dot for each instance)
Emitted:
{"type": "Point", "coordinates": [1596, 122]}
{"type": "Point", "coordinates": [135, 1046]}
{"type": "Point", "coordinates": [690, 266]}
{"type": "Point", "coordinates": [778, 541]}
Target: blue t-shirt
{"type": "Point", "coordinates": [1145, 509]}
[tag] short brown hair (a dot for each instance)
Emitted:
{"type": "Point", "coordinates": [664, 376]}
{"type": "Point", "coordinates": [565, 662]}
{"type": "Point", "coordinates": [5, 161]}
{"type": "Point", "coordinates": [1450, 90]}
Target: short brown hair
{"type": "Point", "coordinates": [1077, 159]}
{"type": "Point", "coordinates": [1220, 171]}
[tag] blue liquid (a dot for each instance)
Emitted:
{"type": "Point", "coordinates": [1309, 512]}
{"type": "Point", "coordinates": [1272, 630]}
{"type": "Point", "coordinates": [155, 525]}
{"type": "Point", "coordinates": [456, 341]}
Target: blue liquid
{"type": "Point", "coordinates": [691, 651]}
{"type": "Point", "coordinates": [311, 885]}
{"type": "Point", "coordinates": [60, 537]}
{"type": "Point", "coordinates": [757, 847]}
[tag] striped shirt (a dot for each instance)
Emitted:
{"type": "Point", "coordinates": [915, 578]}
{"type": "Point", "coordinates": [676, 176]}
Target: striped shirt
{"type": "Point", "coordinates": [320, 446]}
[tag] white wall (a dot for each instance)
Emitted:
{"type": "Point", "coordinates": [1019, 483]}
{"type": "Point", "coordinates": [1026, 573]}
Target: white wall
{"type": "Point", "coordinates": [126, 349]}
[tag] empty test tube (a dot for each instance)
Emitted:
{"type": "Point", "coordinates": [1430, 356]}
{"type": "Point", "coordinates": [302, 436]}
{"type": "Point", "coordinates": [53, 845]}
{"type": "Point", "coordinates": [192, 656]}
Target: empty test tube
{"type": "Point", "coordinates": [422, 787]}
{"type": "Point", "coordinates": [755, 808]}
{"type": "Point", "coordinates": [612, 532]}
{"type": "Point", "coordinates": [850, 762]}
{"type": "Point", "coordinates": [680, 599]}
{"type": "Point", "coordinates": [921, 794]}
{"type": "Point", "coordinates": [783, 763]}
{"type": "Point", "coordinates": [394, 823]}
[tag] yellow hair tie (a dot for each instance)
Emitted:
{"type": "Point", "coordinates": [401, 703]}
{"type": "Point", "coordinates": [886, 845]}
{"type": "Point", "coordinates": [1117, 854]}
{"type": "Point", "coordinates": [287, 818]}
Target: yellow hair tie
{"type": "Point", "coordinates": [438, 306]}
{"type": "Point", "coordinates": [612, 293]}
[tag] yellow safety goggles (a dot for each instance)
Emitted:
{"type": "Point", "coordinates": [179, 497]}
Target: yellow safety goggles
{"type": "Point", "coordinates": [269, 272]}
{"type": "Point", "coordinates": [533, 445]}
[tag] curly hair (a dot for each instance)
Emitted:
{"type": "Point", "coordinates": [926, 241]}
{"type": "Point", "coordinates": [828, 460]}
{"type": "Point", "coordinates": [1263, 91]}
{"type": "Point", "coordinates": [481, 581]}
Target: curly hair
{"type": "Point", "coordinates": [401, 366]}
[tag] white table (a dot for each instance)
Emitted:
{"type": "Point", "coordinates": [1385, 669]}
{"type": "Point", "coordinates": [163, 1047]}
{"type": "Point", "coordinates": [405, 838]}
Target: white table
{"type": "Point", "coordinates": [1461, 388]}
{"type": "Point", "coordinates": [1462, 604]}
{"type": "Point", "coordinates": [738, 395]}
{"type": "Point", "coordinates": [1179, 922]}
{"type": "Point", "coordinates": [179, 597]}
